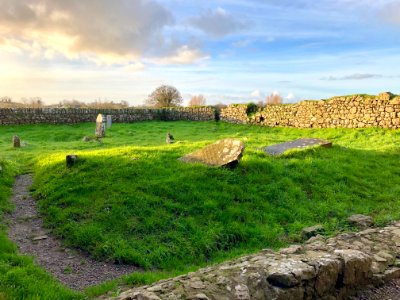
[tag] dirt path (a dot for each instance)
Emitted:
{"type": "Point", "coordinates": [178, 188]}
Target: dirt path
{"type": "Point", "coordinates": [389, 291]}
{"type": "Point", "coordinates": [73, 268]}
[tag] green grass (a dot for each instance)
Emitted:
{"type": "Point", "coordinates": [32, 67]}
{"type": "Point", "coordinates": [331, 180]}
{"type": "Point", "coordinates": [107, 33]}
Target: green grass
{"type": "Point", "coordinates": [20, 278]}
{"type": "Point", "coordinates": [130, 200]}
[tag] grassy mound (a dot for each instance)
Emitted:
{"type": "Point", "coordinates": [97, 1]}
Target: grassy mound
{"type": "Point", "coordinates": [130, 200]}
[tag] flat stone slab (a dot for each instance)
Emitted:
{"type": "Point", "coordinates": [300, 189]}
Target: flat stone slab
{"type": "Point", "coordinates": [225, 152]}
{"type": "Point", "coordinates": [296, 144]}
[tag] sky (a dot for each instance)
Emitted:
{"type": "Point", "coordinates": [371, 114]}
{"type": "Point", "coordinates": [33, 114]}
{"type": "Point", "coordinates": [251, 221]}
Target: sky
{"type": "Point", "coordinates": [231, 51]}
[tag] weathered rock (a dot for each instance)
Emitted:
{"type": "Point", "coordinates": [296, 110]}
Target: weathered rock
{"type": "Point", "coordinates": [336, 272]}
{"type": "Point", "coordinates": [87, 139]}
{"type": "Point", "coordinates": [16, 141]}
{"type": "Point", "coordinates": [170, 139]}
{"type": "Point", "coordinates": [71, 159]}
{"type": "Point", "coordinates": [109, 121]}
{"type": "Point", "coordinates": [297, 144]}
{"type": "Point", "coordinates": [357, 267]}
{"type": "Point", "coordinates": [223, 153]}
{"type": "Point", "coordinates": [100, 126]}
{"type": "Point", "coordinates": [360, 221]}
{"type": "Point", "coordinates": [309, 232]}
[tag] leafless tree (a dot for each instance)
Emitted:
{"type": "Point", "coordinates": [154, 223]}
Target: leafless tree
{"type": "Point", "coordinates": [6, 99]}
{"type": "Point", "coordinates": [198, 100]}
{"type": "Point", "coordinates": [274, 98]}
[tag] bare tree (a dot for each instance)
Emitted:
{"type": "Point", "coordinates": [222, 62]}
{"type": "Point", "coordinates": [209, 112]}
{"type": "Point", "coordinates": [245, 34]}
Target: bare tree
{"type": "Point", "coordinates": [198, 100]}
{"type": "Point", "coordinates": [274, 98]}
{"type": "Point", "coordinates": [165, 96]}
{"type": "Point", "coordinates": [6, 99]}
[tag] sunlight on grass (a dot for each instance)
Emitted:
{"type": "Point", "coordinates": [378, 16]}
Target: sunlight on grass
{"type": "Point", "coordinates": [129, 200]}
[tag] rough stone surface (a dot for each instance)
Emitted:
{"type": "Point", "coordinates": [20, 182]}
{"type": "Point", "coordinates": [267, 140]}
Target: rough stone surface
{"type": "Point", "coordinates": [356, 111]}
{"type": "Point", "coordinates": [296, 144]}
{"type": "Point", "coordinates": [360, 221]}
{"type": "Point", "coordinates": [71, 159]}
{"type": "Point", "coordinates": [169, 139]}
{"type": "Point", "coordinates": [16, 141]}
{"type": "Point", "coordinates": [225, 152]}
{"type": "Point", "coordinates": [100, 126]}
{"type": "Point", "coordinates": [322, 268]}
{"type": "Point", "coordinates": [309, 232]}
{"type": "Point", "coordinates": [13, 116]}
{"type": "Point", "coordinates": [109, 121]}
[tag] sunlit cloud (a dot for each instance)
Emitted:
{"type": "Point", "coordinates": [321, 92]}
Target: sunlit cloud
{"type": "Point", "coordinates": [101, 31]}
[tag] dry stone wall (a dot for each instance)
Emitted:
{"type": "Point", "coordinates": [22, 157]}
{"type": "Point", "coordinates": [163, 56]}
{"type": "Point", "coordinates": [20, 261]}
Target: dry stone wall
{"type": "Point", "coordinates": [322, 268]}
{"type": "Point", "coordinates": [10, 116]}
{"type": "Point", "coordinates": [349, 112]}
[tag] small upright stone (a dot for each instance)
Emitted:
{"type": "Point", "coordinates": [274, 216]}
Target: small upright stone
{"type": "Point", "coordinates": [100, 126]}
{"type": "Point", "coordinates": [16, 141]}
{"type": "Point", "coordinates": [170, 139]}
{"type": "Point", "coordinates": [71, 159]}
{"type": "Point", "coordinates": [109, 121]}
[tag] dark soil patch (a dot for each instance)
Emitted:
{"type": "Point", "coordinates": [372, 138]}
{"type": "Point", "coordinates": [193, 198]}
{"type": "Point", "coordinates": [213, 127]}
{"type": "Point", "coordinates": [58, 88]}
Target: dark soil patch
{"type": "Point", "coordinates": [73, 268]}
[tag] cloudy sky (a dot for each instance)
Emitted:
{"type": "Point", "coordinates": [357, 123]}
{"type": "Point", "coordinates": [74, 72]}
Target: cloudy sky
{"type": "Point", "coordinates": [231, 51]}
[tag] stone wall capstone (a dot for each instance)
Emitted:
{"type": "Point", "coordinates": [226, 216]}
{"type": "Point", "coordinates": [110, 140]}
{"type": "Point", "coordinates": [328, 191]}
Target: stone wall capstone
{"type": "Point", "coordinates": [356, 111]}
{"type": "Point", "coordinates": [14, 116]}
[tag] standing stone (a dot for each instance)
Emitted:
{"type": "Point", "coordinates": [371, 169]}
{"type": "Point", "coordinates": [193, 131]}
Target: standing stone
{"type": "Point", "coordinates": [109, 121]}
{"type": "Point", "coordinates": [224, 153]}
{"type": "Point", "coordinates": [16, 141]}
{"type": "Point", "coordinates": [100, 126]}
{"type": "Point", "coordinates": [71, 160]}
{"type": "Point", "coordinates": [170, 139]}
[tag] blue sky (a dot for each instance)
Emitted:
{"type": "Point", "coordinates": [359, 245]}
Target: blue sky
{"type": "Point", "coordinates": [230, 51]}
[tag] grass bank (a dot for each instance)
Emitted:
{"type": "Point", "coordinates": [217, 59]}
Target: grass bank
{"type": "Point", "coordinates": [130, 200]}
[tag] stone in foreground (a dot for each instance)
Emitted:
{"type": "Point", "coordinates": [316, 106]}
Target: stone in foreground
{"type": "Point", "coordinates": [323, 268]}
{"type": "Point", "coordinates": [296, 144]}
{"type": "Point", "coordinates": [224, 153]}
{"type": "Point", "coordinates": [100, 126]}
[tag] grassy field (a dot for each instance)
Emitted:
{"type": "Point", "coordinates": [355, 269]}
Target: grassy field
{"type": "Point", "coordinates": [130, 200]}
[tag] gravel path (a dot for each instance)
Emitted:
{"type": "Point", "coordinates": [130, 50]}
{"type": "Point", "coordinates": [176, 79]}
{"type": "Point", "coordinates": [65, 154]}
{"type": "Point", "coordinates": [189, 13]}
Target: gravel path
{"type": "Point", "coordinates": [390, 291]}
{"type": "Point", "coordinates": [73, 268]}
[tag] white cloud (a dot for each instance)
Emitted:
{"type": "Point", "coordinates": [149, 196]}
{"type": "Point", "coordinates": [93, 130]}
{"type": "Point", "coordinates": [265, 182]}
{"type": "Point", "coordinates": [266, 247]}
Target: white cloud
{"type": "Point", "coordinates": [290, 96]}
{"type": "Point", "coordinates": [356, 76]}
{"type": "Point", "coordinates": [258, 95]}
{"type": "Point", "coordinates": [218, 23]}
{"type": "Point", "coordinates": [103, 31]}
{"type": "Point", "coordinates": [183, 55]}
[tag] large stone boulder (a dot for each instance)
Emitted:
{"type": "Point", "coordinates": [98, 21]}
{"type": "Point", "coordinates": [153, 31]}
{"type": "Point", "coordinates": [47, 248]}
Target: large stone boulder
{"type": "Point", "coordinates": [224, 153]}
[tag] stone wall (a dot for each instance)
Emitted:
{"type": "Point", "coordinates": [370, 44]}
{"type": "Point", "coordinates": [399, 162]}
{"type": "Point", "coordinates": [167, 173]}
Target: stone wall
{"type": "Point", "coordinates": [351, 112]}
{"type": "Point", "coordinates": [322, 268]}
{"type": "Point", "coordinates": [10, 116]}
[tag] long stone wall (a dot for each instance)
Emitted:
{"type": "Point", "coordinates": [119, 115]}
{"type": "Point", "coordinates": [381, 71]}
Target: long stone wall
{"type": "Point", "coordinates": [10, 116]}
{"type": "Point", "coordinates": [350, 112]}
{"type": "Point", "coordinates": [322, 268]}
